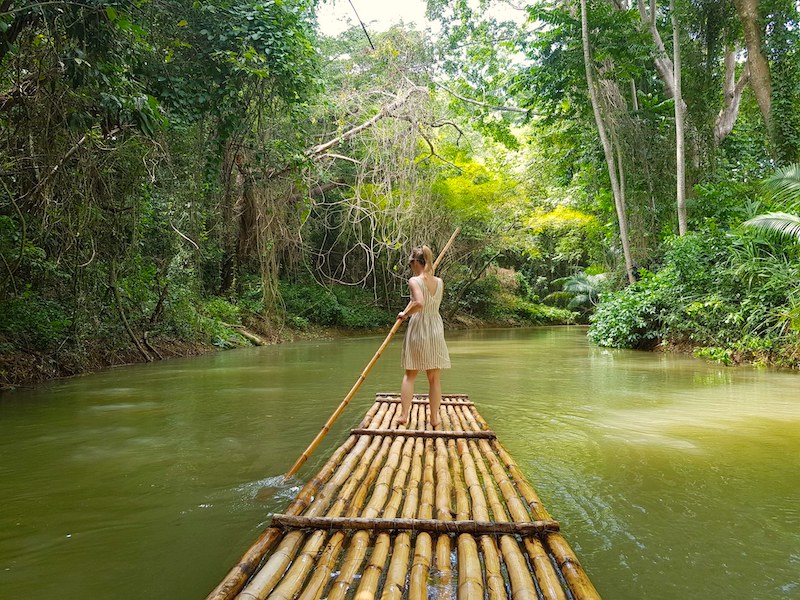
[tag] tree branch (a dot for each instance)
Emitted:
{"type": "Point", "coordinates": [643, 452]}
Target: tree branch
{"type": "Point", "coordinates": [385, 111]}
{"type": "Point", "coordinates": [662, 62]}
{"type": "Point", "coordinates": [483, 104]}
{"type": "Point", "coordinates": [433, 150]}
{"type": "Point", "coordinates": [733, 95]}
{"type": "Point", "coordinates": [341, 157]}
{"type": "Point", "coordinates": [52, 173]}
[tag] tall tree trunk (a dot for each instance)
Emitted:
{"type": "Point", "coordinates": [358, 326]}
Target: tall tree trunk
{"type": "Point", "coordinates": [733, 97]}
{"type": "Point", "coordinates": [680, 138]}
{"type": "Point", "coordinates": [665, 69]}
{"type": "Point", "coordinates": [230, 226]}
{"type": "Point", "coordinates": [663, 64]}
{"type": "Point", "coordinates": [619, 201]}
{"type": "Point", "coordinates": [634, 96]}
{"type": "Point", "coordinates": [760, 80]}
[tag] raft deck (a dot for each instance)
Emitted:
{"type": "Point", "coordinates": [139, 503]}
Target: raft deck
{"type": "Point", "coordinates": [409, 512]}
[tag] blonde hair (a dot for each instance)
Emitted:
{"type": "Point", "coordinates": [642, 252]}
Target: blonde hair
{"type": "Point", "coordinates": [424, 256]}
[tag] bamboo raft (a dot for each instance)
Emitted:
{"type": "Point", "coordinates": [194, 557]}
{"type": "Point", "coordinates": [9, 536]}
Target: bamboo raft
{"type": "Point", "coordinates": [409, 512]}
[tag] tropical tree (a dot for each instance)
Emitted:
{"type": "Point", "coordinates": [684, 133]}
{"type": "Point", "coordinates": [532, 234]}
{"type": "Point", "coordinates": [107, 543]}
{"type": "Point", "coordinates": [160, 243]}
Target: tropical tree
{"type": "Point", "coordinates": [133, 139]}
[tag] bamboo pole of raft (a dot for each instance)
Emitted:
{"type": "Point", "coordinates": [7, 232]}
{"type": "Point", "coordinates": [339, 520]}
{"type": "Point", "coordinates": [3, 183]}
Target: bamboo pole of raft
{"type": "Point", "coordinates": [444, 512]}
{"type": "Point", "coordinates": [323, 432]}
{"type": "Point", "coordinates": [396, 573]}
{"type": "Point", "coordinates": [495, 584]}
{"type": "Point", "coordinates": [423, 548]}
{"type": "Point", "coordinates": [236, 578]}
{"type": "Point", "coordinates": [423, 433]}
{"type": "Point", "coordinates": [398, 567]}
{"type": "Point", "coordinates": [470, 578]}
{"type": "Point", "coordinates": [480, 526]}
{"type": "Point", "coordinates": [548, 580]}
{"type": "Point", "coordinates": [359, 541]}
{"type": "Point", "coordinates": [494, 578]}
{"type": "Point", "coordinates": [350, 471]}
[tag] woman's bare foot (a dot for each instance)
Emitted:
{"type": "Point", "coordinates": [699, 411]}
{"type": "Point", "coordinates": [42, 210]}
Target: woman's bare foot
{"type": "Point", "coordinates": [402, 420]}
{"type": "Point", "coordinates": [435, 424]}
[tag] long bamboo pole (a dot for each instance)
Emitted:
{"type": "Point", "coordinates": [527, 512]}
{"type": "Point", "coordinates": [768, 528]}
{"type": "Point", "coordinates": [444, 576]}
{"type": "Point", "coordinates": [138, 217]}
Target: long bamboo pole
{"type": "Point", "coordinates": [326, 428]}
{"type": "Point", "coordinates": [238, 575]}
{"type": "Point", "coordinates": [495, 582]}
{"type": "Point", "coordinates": [444, 511]}
{"type": "Point", "coordinates": [333, 496]}
{"type": "Point", "coordinates": [480, 526]}
{"type": "Point", "coordinates": [396, 574]}
{"type": "Point", "coordinates": [423, 547]}
{"type": "Point", "coordinates": [424, 433]}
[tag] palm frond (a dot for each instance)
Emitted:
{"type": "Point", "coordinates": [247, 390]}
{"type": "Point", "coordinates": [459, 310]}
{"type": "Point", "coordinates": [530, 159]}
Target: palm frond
{"type": "Point", "coordinates": [784, 186]}
{"type": "Point", "coordinates": [781, 223]}
{"type": "Point", "coordinates": [580, 300]}
{"type": "Point", "coordinates": [584, 289]}
{"type": "Point", "coordinates": [578, 287]}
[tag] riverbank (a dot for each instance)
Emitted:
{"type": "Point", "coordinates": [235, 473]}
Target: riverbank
{"type": "Point", "coordinates": [28, 369]}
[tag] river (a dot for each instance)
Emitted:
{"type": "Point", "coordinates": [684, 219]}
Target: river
{"type": "Point", "coordinates": [672, 477]}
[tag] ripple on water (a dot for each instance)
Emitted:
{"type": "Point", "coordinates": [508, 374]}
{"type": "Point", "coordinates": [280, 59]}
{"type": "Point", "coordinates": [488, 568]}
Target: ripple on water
{"type": "Point", "coordinates": [124, 406]}
{"type": "Point", "coordinates": [274, 488]}
{"type": "Point", "coordinates": [111, 391]}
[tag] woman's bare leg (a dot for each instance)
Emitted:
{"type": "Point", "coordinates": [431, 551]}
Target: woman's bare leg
{"type": "Point", "coordinates": [434, 395]}
{"type": "Point", "coordinates": [406, 395]}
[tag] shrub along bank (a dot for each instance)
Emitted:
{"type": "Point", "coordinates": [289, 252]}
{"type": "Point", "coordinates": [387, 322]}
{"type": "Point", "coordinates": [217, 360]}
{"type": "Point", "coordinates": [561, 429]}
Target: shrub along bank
{"type": "Point", "coordinates": [41, 344]}
{"type": "Point", "coordinates": [729, 296]}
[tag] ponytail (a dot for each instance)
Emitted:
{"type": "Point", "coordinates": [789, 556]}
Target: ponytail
{"type": "Point", "coordinates": [426, 252]}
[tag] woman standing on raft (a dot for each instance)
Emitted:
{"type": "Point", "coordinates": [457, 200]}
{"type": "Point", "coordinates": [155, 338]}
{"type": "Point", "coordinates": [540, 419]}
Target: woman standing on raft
{"type": "Point", "coordinates": [424, 348]}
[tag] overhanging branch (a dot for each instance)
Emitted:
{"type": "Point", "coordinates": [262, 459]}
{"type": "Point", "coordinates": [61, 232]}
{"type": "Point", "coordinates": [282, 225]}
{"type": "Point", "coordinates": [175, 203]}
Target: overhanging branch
{"type": "Point", "coordinates": [513, 109]}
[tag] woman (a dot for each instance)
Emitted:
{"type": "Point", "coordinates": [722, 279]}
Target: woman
{"type": "Point", "coordinates": [424, 348]}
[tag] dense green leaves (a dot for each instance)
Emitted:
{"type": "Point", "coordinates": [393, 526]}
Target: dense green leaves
{"type": "Point", "coordinates": [728, 296]}
{"type": "Point", "coordinates": [170, 169]}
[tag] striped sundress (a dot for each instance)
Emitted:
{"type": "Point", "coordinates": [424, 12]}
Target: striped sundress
{"type": "Point", "coordinates": [424, 346]}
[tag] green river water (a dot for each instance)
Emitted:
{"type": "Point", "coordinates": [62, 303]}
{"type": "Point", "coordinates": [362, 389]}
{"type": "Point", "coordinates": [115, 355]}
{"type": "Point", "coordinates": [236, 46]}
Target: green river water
{"type": "Point", "coordinates": [672, 478]}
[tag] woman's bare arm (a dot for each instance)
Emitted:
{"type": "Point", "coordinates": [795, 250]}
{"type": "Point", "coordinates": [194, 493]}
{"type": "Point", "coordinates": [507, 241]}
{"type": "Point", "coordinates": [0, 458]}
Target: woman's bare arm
{"type": "Point", "coordinates": [417, 300]}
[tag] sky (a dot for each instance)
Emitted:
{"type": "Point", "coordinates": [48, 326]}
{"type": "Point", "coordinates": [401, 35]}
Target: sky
{"type": "Point", "coordinates": [335, 16]}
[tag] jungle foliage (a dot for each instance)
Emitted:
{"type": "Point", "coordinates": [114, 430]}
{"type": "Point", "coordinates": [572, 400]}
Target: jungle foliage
{"type": "Point", "coordinates": [173, 172]}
